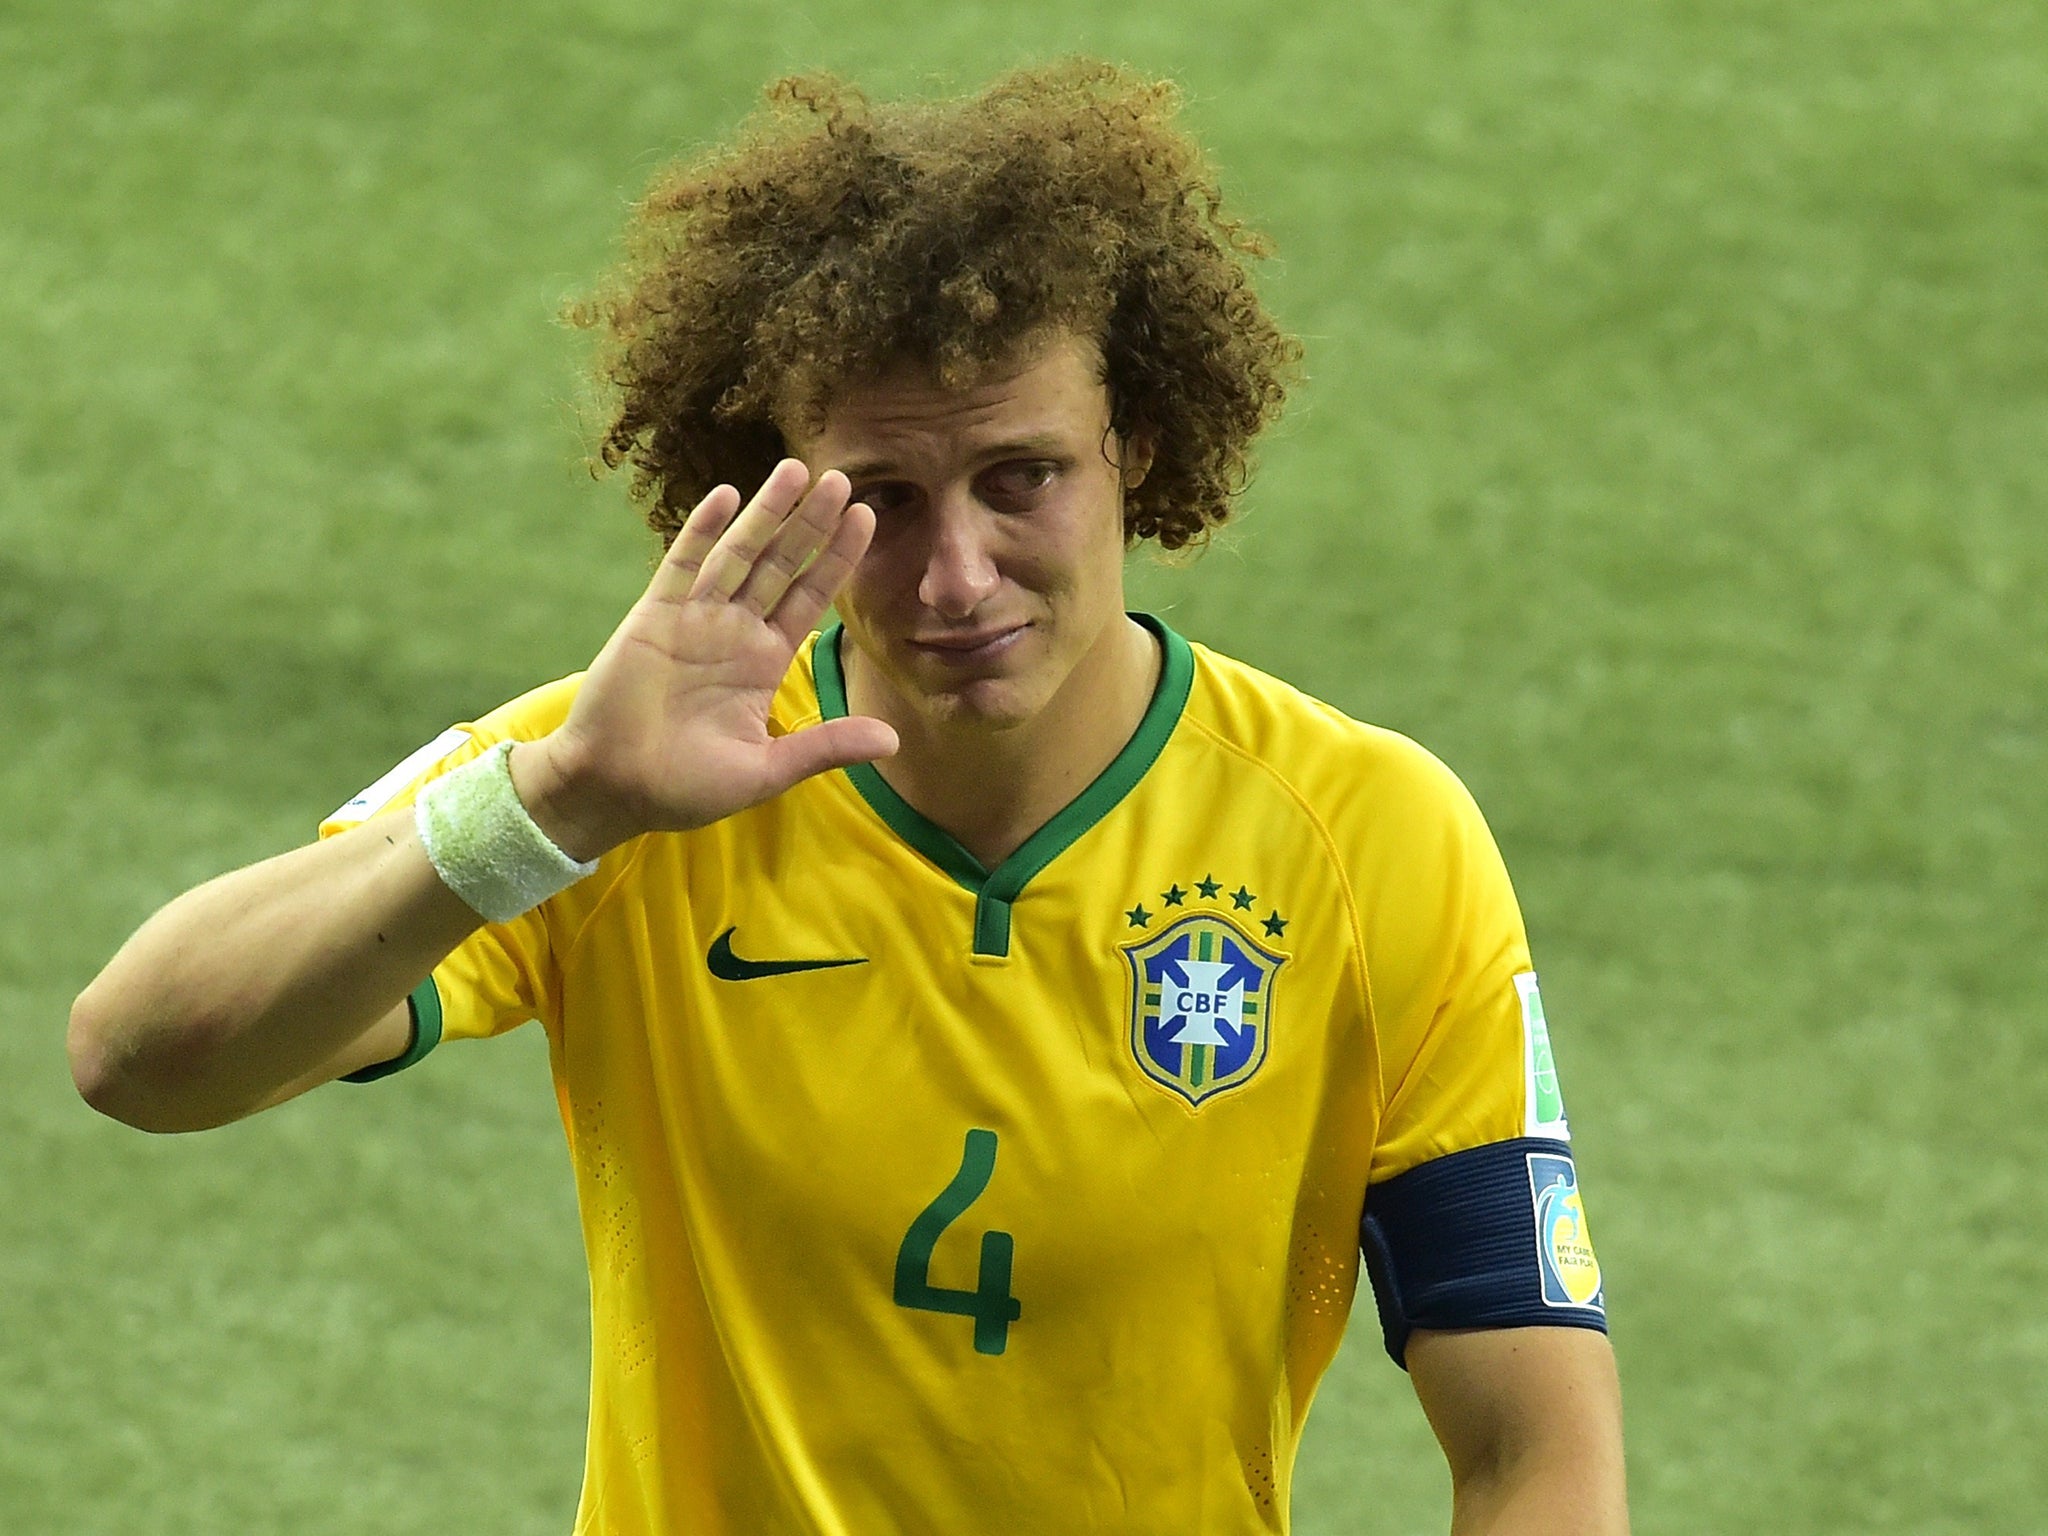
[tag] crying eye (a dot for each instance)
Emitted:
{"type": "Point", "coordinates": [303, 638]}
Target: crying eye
{"type": "Point", "coordinates": [1018, 481]}
{"type": "Point", "coordinates": [884, 497]}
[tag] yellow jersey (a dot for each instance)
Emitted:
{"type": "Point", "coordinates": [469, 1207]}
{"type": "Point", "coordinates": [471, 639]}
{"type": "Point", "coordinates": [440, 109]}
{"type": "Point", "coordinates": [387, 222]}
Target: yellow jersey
{"type": "Point", "coordinates": [923, 1197]}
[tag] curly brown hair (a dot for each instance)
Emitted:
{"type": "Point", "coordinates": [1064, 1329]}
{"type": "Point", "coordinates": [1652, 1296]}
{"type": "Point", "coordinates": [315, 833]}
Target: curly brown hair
{"type": "Point", "coordinates": [837, 239]}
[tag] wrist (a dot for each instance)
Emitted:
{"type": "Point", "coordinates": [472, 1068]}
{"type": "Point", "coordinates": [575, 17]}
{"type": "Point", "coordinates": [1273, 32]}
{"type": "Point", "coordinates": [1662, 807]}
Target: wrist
{"type": "Point", "coordinates": [485, 844]}
{"type": "Point", "coordinates": [562, 800]}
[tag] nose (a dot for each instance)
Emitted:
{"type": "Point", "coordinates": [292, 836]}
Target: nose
{"type": "Point", "coordinates": [959, 567]}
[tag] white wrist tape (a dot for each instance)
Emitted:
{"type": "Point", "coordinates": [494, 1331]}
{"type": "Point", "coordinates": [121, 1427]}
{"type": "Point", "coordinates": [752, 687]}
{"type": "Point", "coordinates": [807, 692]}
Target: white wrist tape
{"type": "Point", "coordinates": [484, 846]}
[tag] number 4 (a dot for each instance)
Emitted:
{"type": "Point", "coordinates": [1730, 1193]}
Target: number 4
{"type": "Point", "coordinates": [990, 1303]}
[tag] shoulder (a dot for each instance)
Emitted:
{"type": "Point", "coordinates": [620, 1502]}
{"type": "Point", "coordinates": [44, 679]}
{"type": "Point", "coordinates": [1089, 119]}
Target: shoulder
{"type": "Point", "coordinates": [530, 716]}
{"type": "Point", "coordinates": [527, 718]}
{"type": "Point", "coordinates": [1399, 824]}
{"type": "Point", "coordinates": [1345, 770]}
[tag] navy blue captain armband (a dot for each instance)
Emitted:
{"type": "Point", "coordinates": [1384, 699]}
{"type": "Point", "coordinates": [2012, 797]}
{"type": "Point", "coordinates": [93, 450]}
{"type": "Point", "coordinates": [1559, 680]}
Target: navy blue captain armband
{"type": "Point", "coordinates": [1492, 1237]}
{"type": "Point", "coordinates": [425, 1007]}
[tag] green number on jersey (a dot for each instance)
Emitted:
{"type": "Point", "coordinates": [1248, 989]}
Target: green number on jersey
{"type": "Point", "coordinates": [990, 1303]}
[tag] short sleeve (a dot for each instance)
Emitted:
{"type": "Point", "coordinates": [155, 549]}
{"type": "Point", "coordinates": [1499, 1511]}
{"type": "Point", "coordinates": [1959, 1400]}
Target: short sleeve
{"type": "Point", "coordinates": [1473, 1216]}
{"type": "Point", "coordinates": [1444, 946]}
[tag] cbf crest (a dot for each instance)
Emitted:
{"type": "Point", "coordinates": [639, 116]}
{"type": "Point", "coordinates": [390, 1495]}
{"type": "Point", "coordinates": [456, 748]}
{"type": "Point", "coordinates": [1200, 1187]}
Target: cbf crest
{"type": "Point", "coordinates": [1201, 1005]}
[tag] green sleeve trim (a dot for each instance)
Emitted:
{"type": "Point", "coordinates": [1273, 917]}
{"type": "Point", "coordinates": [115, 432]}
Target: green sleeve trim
{"type": "Point", "coordinates": [996, 890]}
{"type": "Point", "coordinates": [425, 1007]}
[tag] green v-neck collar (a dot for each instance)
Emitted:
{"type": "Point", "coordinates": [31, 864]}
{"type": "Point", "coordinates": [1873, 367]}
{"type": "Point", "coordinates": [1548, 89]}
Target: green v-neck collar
{"type": "Point", "coordinates": [996, 889]}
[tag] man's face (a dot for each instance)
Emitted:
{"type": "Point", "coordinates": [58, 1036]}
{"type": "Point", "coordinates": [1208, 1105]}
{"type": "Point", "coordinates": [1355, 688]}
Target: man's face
{"type": "Point", "coordinates": [997, 562]}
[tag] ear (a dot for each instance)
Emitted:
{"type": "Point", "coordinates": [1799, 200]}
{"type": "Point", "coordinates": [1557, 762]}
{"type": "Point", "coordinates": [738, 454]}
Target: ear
{"type": "Point", "coordinates": [1135, 458]}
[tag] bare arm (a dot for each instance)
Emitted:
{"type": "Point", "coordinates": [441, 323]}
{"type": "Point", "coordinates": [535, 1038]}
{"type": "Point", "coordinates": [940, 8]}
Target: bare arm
{"type": "Point", "coordinates": [1530, 1421]}
{"type": "Point", "coordinates": [266, 981]}
{"type": "Point", "coordinates": [275, 978]}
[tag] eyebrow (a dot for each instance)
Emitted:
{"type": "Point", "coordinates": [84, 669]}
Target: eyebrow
{"type": "Point", "coordinates": [1035, 445]}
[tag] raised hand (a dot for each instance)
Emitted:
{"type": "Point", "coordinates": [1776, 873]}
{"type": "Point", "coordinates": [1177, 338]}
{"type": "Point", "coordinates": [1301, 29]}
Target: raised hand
{"type": "Point", "coordinates": [670, 728]}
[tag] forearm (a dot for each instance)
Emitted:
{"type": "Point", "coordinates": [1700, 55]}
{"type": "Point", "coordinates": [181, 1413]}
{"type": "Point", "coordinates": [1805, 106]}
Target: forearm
{"type": "Point", "coordinates": [263, 982]}
{"type": "Point", "coordinates": [254, 979]}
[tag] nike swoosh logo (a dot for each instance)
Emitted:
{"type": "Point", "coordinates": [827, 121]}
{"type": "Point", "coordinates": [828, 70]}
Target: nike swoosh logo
{"type": "Point", "coordinates": [727, 966]}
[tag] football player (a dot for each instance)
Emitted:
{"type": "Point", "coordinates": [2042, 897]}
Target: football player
{"type": "Point", "coordinates": [989, 1029]}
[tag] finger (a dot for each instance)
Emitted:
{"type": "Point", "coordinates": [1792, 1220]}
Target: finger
{"type": "Point", "coordinates": [829, 744]}
{"type": "Point", "coordinates": [731, 559]}
{"type": "Point", "coordinates": [806, 529]}
{"type": "Point", "coordinates": [693, 541]}
{"type": "Point", "coordinates": [812, 592]}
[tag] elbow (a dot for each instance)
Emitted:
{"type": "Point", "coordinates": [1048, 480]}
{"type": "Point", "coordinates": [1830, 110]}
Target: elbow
{"type": "Point", "coordinates": [110, 1077]}
{"type": "Point", "coordinates": [88, 1043]}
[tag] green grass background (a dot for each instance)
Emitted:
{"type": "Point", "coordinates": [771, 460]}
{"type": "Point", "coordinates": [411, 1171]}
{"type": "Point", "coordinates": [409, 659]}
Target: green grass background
{"type": "Point", "coordinates": [1672, 461]}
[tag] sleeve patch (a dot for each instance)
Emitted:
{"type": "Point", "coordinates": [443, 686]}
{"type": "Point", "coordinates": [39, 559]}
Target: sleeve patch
{"type": "Point", "coordinates": [1542, 1099]}
{"type": "Point", "coordinates": [1491, 1237]}
{"type": "Point", "coordinates": [386, 789]}
{"type": "Point", "coordinates": [1564, 1250]}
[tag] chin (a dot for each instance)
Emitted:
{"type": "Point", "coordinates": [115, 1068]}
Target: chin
{"type": "Point", "coordinates": [984, 703]}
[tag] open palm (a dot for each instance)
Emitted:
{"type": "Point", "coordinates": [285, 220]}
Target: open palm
{"type": "Point", "coordinates": [670, 728]}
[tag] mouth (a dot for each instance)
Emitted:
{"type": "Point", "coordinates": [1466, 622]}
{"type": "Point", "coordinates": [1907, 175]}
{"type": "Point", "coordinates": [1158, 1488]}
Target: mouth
{"type": "Point", "coordinates": [972, 649]}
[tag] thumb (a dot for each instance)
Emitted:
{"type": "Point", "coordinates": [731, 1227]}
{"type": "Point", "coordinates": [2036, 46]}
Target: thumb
{"type": "Point", "coordinates": [827, 745]}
